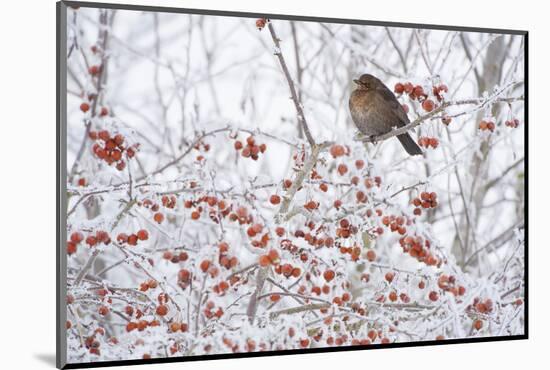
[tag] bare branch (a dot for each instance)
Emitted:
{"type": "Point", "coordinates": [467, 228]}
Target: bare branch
{"type": "Point", "coordinates": [294, 95]}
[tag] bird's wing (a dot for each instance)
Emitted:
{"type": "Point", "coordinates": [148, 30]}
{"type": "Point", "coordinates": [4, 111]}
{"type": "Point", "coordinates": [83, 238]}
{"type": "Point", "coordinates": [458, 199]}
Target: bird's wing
{"type": "Point", "coordinates": [392, 107]}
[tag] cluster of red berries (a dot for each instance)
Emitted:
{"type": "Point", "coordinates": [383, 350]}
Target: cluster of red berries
{"type": "Point", "coordinates": [512, 123]}
{"type": "Point", "coordinates": [256, 230]}
{"type": "Point", "coordinates": [428, 142]}
{"type": "Point", "coordinates": [221, 287]}
{"type": "Point", "coordinates": [270, 258]}
{"type": "Point", "coordinates": [343, 339]}
{"type": "Point", "coordinates": [488, 124]}
{"type": "Point", "coordinates": [184, 278]}
{"type": "Point", "coordinates": [216, 208]}
{"type": "Point", "coordinates": [133, 239]}
{"type": "Point", "coordinates": [74, 240]}
{"type": "Point", "coordinates": [100, 236]}
{"type": "Point", "coordinates": [252, 149]}
{"type": "Point", "coordinates": [176, 326]}
{"type": "Point", "coordinates": [141, 325]}
{"type": "Point", "coordinates": [92, 344]}
{"type": "Point", "coordinates": [345, 229]}
{"type": "Point", "coordinates": [341, 300]}
{"type": "Point", "coordinates": [414, 91]}
{"type": "Point", "coordinates": [325, 289]}
{"type": "Point", "coordinates": [393, 297]}
{"type": "Point", "coordinates": [287, 270]}
{"type": "Point", "coordinates": [338, 150]}
{"type": "Point", "coordinates": [354, 252]}
{"type": "Point", "coordinates": [262, 242]}
{"type": "Point", "coordinates": [240, 215]}
{"type": "Point", "coordinates": [175, 257]}
{"type": "Point", "coordinates": [148, 203]}
{"type": "Point", "coordinates": [169, 201]}
{"type": "Point", "coordinates": [223, 258]}
{"type": "Point", "coordinates": [439, 91]}
{"type": "Point", "coordinates": [200, 145]}
{"type": "Point", "coordinates": [158, 217]}
{"type": "Point", "coordinates": [162, 308]}
{"type": "Point", "coordinates": [481, 306]}
{"type": "Point", "coordinates": [210, 310]}
{"type": "Point", "coordinates": [208, 267]}
{"type": "Point", "coordinates": [419, 248]}
{"type": "Point", "coordinates": [360, 342]}
{"type": "Point", "coordinates": [448, 284]}
{"type": "Point", "coordinates": [129, 310]}
{"type": "Point", "coordinates": [261, 22]}
{"type": "Point", "coordinates": [287, 245]}
{"type": "Point", "coordinates": [338, 341]}
{"type": "Point", "coordinates": [229, 344]}
{"type": "Point", "coordinates": [149, 284]}
{"type": "Point", "coordinates": [249, 345]}
{"type": "Point", "coordinates": [396, 223]}
{"type": "Point", "coordinates": [374, 335]}
{"type": "Point", "coordinates": [111, 148]}
{"type": "Point", "coordinates": [313, 240]}
{"type": "Point", "coordinates": [374, 181]}
{"type": "Point", "coordinates": [427, 200]}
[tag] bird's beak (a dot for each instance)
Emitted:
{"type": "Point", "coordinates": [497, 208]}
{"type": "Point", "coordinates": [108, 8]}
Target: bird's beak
{"type": "Point", "coordinates": [357, 82]}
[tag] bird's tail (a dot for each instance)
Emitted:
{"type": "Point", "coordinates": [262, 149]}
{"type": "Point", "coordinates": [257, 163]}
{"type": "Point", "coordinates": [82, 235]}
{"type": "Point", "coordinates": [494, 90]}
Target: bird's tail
{"type": "Point", "coordinates": [408, 143]}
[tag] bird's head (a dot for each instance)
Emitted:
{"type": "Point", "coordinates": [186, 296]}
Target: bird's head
{"type": "Point", "coordinates": [367, 82]}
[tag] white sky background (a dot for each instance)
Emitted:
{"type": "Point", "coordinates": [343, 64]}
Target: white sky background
{"type": "Point", "coordinates": [243, 86]}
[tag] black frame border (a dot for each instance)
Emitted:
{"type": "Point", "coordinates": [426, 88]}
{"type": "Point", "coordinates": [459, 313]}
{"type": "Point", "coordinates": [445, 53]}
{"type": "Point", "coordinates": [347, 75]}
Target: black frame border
{"type": "Point", "coordinates": [61, 147]}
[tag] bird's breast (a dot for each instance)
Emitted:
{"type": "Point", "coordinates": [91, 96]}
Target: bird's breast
{"type": "Point", "coordinates": [366, 114]}
{"type": "Point", "coordinates": [359, 108]}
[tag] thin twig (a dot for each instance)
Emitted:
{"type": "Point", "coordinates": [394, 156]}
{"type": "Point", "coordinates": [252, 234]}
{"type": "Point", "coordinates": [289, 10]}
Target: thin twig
{"type": "Point", "coordinates": [294, 95]}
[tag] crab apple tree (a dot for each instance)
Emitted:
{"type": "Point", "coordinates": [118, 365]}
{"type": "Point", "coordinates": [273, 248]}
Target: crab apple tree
{"type": "Point", "coordinates": [208, 213]}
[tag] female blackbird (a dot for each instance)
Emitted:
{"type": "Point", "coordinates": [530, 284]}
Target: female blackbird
{"type": "Point", "coordinates": [376, 111]}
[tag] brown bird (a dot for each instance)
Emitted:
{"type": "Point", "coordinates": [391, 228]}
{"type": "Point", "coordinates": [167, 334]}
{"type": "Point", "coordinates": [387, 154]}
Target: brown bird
{"type": "Point", "coordinates": [376, 111]}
